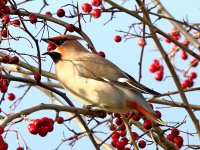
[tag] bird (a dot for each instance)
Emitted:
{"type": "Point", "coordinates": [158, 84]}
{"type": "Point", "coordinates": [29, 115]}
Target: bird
{"type": "Point", "coordinates": [96, 81]}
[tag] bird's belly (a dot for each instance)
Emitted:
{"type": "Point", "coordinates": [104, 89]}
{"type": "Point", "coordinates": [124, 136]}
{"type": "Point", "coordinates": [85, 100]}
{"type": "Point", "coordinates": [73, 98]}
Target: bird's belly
{"type": "Point", "coordinates": [96, 93]}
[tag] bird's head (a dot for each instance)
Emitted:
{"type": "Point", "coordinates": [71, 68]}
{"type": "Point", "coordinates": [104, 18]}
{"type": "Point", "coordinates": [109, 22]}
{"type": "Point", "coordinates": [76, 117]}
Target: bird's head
{"type": "Point", "coordinates": [64, 45]}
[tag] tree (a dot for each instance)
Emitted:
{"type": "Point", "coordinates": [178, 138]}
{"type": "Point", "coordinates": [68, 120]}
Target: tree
{"type": "Point", "coordinates": [24, 69]}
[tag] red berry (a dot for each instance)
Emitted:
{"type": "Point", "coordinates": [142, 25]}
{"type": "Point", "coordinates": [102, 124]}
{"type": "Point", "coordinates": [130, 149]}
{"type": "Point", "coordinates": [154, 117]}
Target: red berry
{"type": "Point", "coordinates": [120, 145]}
{"type": "Point", "coordinates": [37, 122]}
{"type": "Point", "coordinates": [16, 22]}
{"type": "Point", "coordinates": [136, 117]}
{"type": "Point", "coordinates": [37, 77]}
{"type": "Point", "coordinates": [49, 128]}
{"type": "Point", "coordinates": [4, 89]}
{"type": "Point", "coordinates": [193, 75]}
{"type": "Point", "coordinates": [33, 18]}
{"type": "Point", "coordinates": [186, 42]}
{"type": "Point", "coordinates": [71, 28]}
{"type": "Point", "coordinates": [158, 113]}
{"type": "Point", "coordinates": [117, 38]}
{"type": "Point", "coordinates": [141, 42]}
{"type": "Point", "coordinates": [126, 148]}
{"type": "Point", "coordinates": [102, 54]}
{"type": "Point", "coordinates": [48, 13]}
{"type": "Point", "coordinates": [152, 68]}
{"type": "Point", "coordinates": [60, 12]}
{"type": "Point", "coordinates": [51, 46]}
{"type": "Point", "coordinates": [147, 124]}
{"type": "Point", "coordinates": [170, 137]}
{"type": "Point", "coordinates": [6, 59]}
{"type": "Point", "coordinates": [116, 115]}
{"type": "Point", "coordinates": [176, 37]}
{"type": "Point", "coordinates": [122, 127]}
{"type": "Point", "coordinates": [11, 96]}
{"type": "Point", "coordinates": [1, 130]}
{"type": "Point", "coordinates": [184, 84]}
{"type": "Point", "coordinates": [33, 129]}
{"type": "Point", "coordinates": [184, 55]}
{"type": "Point", "coordinates": [114, 142]}
{"type": "Point", "coordinates": [189, 83]}
{"type": "Point", "coordinates": [135, 135]}
{"type": "Point", "coordinates": [178, 140]}
{"type": "Point", "coordinates": [5, 19]}
{"type": "Point", "coordinates": [20, 148]}
{"type": "Point", "coordinates": [178, 145]}
{"type": "Point", "coordinates": [96, 3]}
{"type": "Point", "coordinates": [113, 127]}
{"type": "Point", "coordinates": [96, 13]}
{"type": "Point", "coordinates": [6, 10]}
{"type": "Point", "coordinates": [142, 144]}
{"type": "Point", "coordinates": [174, 32]}
{"type": "Point", "coordinates": [45, 121]}
{"type": "Point", "coordinates": [15, 60]}
{"type": "Point", "coordinates": [175, 132]}
{"type": "Point", "coordinates": [4, 33]}
{"type": "Point", "coordinates": [86, 7]}
{"type": "Point", "coordinates": [159, 75]}
{"type": "Point", "coordinates": [118, 121]}
{"type": "Point", "coordinates": [167, 40]}
{"type": "Point", "coordinates": [59, 120]}
{"type": "Point", "coordinates": [122, 133]}
{"type": "Point", "coordinates": [194, 62]}
{"type": "Point", "coordinates": [124, 140]}
{"type": "Point", "coordinates": [151, 105]}
{"type": "Point", "coordinates": [43, 131]}
{"type": "Point", "coordinates": [5, 82]}
{"type": "Point", "coordinates": [115, 135]}
{"type": "Point", "coordinates": [2, 4]}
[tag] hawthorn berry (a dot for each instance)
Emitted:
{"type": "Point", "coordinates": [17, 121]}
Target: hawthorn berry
{"type": "Point", "coordinates": [96, 3]}
{"type": "Point", "coordinates": [115, 135]}
{"type": "Point", "coordinates": [193, 75]}
{"type": "Point", "coordinates": [175, 132]}
{"type": "Point", "coordinates": [114, 142]}
{"type": "Point", "coordinates": [184, 85]}
{"type": "Point", "coordinates": [86, 8]}
{"type": "Point", "coordinates": [159, 75]}
{"type": "Point", "coordinates": [4, 88]}
{"type": "Point", "coordinates": [184, 55]}
{"type": "Point", "coordinates": [136, 117]}
{"type": "Point", "coordinates": [120, 145]}
{"type": "Point", "coordinates": [37, 122]}
{"type": "Point", "coordinates": [20, 148]}
{"type": "Point", "coordinates": [117, 38]}
{"type": "Point", "coordinates": [15, 60]}
{"type": "Point", "coordinates": [60, 12]}
{"type": "Point", "coordinates": [48, 13]}
{"type": "Point", "coordinates": [194, 62]}
{"type": "Point", "coordinates": [37, 76]}
{"type": "Point", "coordinates": [135, 135]}
{"type": "Point", "coordinates": [124, 140]}
{"type": "Point", "coordinates": [141, 42]}
{"type": "Point", "coordinates": [141, 144]}
{"type": "Point", "coordinates": [96, 13]}
{"type": "Point", "coordinates": [33, 18]}
{"type": "Point", "coordinates": [118, 121]}
{"type": "Point", "coordinates": [5, 19]}
{"type": "Point", "coordinates": [42, 131]}
{"type": "Point", "coordinates": [16, 22]}
{"type": "Point", "coordinates": [51, 46]}
{"type": "Point", "coordinates": [59, 120]}
{"type": "Point", "coordinates": [174, 32]}
{"type": "Point", "coordinates": [113, 127]}
{"type": "Point", "coordinates": [6, 10]}
{"type": "Point", "coordinates": [6, 59]}
{"type": "Point", "coordinates": [4, 33]}
{"type": "Point", "coordinates": [158, 113]}
{"type": "Point", "coordinates": [178, 140]}
{"type": "Point", "coordinates": [1, 130]}
{"type": "Point", "coordinates": [71, 28]}
{"type": "Point", "coordinates": [167, 40]}
{"type": "Point", "coordinates": [147, 124]}
{"type": "Point", "coordinates": [33, 129]}
{"type": "Point", "coordinates": [102, 54]}
{"type": "Point", "coordinates": [122, 133]}
{"type": "Point", "coordinates": [170, 137]}
{"type": "Point", "coordinates": [11, 96]}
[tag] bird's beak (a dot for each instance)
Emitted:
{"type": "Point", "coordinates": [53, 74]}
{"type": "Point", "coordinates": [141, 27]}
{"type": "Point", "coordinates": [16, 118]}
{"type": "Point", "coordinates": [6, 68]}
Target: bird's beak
{"type": "Point", "coordinates": [45, 40]}
{"type": "Point", "coordinates": [46, 53]}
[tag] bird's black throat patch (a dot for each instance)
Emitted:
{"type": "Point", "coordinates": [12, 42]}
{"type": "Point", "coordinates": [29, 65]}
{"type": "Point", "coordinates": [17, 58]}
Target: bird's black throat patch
{"type": "Point", "coordinates": [55, 56]}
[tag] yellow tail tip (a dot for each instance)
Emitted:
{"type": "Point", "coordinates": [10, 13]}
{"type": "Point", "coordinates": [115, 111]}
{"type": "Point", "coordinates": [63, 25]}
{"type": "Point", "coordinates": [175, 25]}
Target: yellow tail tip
{"type": "Point", "coordinates": [161, 122]}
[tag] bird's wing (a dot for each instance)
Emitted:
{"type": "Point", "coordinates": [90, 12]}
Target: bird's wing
{"type": "Point", "coordinates": [95, 67]}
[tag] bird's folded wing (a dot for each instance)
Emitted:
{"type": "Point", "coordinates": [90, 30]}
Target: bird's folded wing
{"type": "Point", "coordinates": [98, 68]}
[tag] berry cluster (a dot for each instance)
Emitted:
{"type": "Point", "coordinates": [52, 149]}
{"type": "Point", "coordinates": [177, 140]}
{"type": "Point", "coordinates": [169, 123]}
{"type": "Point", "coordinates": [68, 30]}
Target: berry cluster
{"type": "Point", "coordinates": [4, 85]}
{"type": "Point", "coordinates": [96, 12]}
{"type": "Point", "coordinates": [189, 82]}
{"type": "Point", "coordinates": [11, 60]}
{"type": "Point", "coordinates": [175, 137]}
{"type": "Point", "coordinates": [156, 68]}
{"type": "Point", "coordinates": [3, 144]}
{"type": "Point", "coordinates": [41, 126]}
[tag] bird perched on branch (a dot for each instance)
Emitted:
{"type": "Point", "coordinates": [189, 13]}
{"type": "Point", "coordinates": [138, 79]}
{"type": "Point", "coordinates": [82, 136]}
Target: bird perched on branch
{"type": "Point", "coordinates": [94, 80]}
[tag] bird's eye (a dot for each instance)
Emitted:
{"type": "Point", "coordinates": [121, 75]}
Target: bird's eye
{"type": "Point", "coordinates": [59, 42]}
